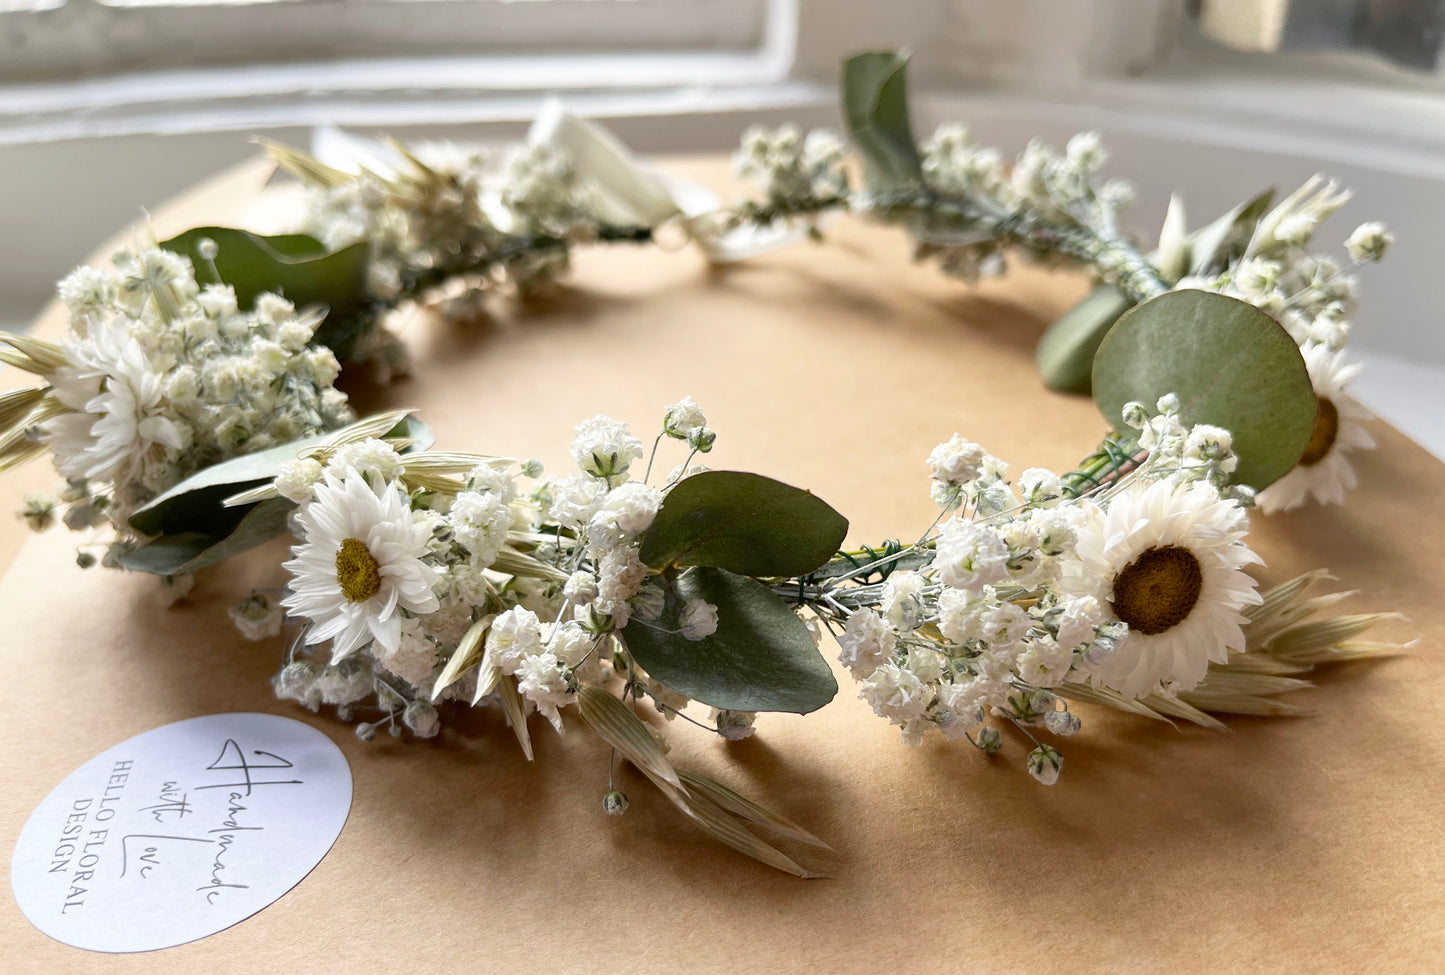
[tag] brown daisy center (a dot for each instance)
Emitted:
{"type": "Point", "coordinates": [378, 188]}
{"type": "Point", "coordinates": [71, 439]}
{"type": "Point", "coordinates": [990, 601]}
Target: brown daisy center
{"type": "Point", "coordinates": [357, 571]}
{"type": "Point", "coordinates": [1322, 438]}
{"type": "Point", "coordinates": [1157, 590]}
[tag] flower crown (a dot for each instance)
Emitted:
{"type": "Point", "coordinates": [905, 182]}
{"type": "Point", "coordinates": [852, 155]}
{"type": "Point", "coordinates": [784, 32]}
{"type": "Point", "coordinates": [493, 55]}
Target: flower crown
{"type": "Point", "coordinates": [193, 415]}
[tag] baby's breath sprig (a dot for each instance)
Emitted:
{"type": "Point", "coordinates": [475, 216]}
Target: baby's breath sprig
{"type": "Point", "coordinates": [447, 221]}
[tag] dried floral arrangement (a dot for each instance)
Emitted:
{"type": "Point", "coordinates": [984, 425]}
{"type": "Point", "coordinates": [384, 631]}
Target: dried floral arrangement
{"type": "Point", "coordinates": [193, 416]}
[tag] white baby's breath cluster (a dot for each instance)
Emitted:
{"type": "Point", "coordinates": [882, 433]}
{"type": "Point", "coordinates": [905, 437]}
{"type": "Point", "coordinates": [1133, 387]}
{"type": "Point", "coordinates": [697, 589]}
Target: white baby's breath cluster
{"type": "Point", "coordinates": [449, 226]}
{"type": "Point", "coordinates": [162, 377]}
{"type": "Point", "coordinates": [789, 166]}
{"type": "Point", "coordinates": [967, 206]}
{"type": "Point", "coordinates": [452, 224]}
{"type": "Point", "coordinates": [404, 561]}
{"type": "Point", "coordinates": [1201, 452]}
{"type": "Point", "coordinates": [1049, 203]}
{"type": "Point", "coordinates": [1023, 599]}
{"type": "Point", "coordinates": [426, 213]}
{"type": "Point", "coordinates": [1308, 292]}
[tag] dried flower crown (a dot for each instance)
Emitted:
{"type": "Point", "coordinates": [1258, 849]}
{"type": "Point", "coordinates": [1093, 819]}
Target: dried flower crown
{"type": "Point", "coordinates": [193, 414]}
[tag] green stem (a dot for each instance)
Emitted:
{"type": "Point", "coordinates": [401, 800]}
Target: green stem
{"type": "Point", "coordinates": [342, 337]}
{"type": "Point", "coordinates": [1117, 455]}
{"type": "Point", "coordinates": [1110, 256]}
{"type": "Point", "coordinates": [512, 247]}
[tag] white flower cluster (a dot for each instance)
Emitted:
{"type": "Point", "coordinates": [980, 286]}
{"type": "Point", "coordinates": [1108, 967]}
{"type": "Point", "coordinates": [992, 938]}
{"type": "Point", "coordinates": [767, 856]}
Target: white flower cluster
{"type": "Point", "coordinates": [452, 219]}
{"type": "Point", "coordinates": [426, 215]}
{"type": "Point", "coordinates": [1133, 591]}
{"type": "Point", "coordinates": [791, 167]}
{"type": "Point", "coordinates": [163, 377]}
{"type": "Point", "coordinates": [396, 572]}
{"type": "Point", "coordinates": [390, 578]}
{"type": "Point", "coordinates": [1066, 187]}
{"type": "Point", "coordinates": [1041, 188]}
{"type": "Point", "coordinates": [1201, 452]}
{"type": "Point", "coordinates": [542, 194]}
{"type": "Point", "coordinates": [1309, 293]}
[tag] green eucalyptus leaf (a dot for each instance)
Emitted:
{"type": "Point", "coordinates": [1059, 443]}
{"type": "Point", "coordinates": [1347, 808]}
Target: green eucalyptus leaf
{"type": "Point", "coordinates": [186, 552]}
{"type": "Point", "coordinates": [296, 266]}
{"type": "Point", "coordinates": [744, 523]}
{"type": "Point", "coordinates": [194, 505]}
{"type": "Point", "coordinates": [875, 107]}
{"type": "Point", "coordinates": [761, 658]}
{"type": "Point", "coordinates": [1230, 364]}
{"type": "Point", "coordinates": [1065, 355]}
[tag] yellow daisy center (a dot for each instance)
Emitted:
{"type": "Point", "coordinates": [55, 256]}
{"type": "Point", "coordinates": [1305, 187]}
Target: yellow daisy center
{"type": "Point", "coordinates": [1322, 438]}
{"type": "Point", "coordinates": [357, 571]}
{"type": "Point", "coordinates": [1157, 590]}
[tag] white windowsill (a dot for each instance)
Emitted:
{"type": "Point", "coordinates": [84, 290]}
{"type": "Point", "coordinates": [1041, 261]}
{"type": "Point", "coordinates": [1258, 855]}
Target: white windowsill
{"type": "Point", "coordinates": [1408, 395]}
{"type": "Point", "coordinates": [398, 92]}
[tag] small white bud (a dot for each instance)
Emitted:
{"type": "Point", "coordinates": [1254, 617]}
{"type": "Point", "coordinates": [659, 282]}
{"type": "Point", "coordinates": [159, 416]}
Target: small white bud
{"type": "Point", "coordinates": [581, 588]}
{"type": "Point", "coordinates": [683, 419]}
{"type": "Point", "coordinates": [647, 604]}
{"type": "Point", "coordinates": [1369, 241]}
{"type": "Point", "coordinates": [698, 619]}
{"type": "Point", "coordinates": [422, 719]}
{"type": "Point", "coordinates": [614, 803]}
{"type": "Point", "coordinates": [1045, 763]}
{"type": "Point", "coordinates": [1062, 723]}
{"type": "Point", "coordinates": [989, 740]}
{"type": "Point", "coordinates": [702, 439]}
{"type": "Point", "coordinates": [735, 725]}
{"type": "Point", "coordinates": [1038, 485]}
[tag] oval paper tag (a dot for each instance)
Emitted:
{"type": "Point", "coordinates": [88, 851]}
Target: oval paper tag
{"type": "Point", "coordinates": [181, 832]}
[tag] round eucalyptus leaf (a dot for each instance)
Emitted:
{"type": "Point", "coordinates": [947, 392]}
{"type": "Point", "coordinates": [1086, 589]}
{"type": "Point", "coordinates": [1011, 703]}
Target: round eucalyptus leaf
{"type": "Point", "coordinates": [875, 106]}
{"type": "Point", "coordinates": [1230, 364]}
{"type": "Point", "coordinates": [298, 267]}
{"type": "Point", "coordinates": [1065, 355]}
{"type": "Point", "coordinates": [195, 504]}
{"type": "Point", "coordinates": [760, 658]}
{"type": "Point", "coordinates": [744, 523]}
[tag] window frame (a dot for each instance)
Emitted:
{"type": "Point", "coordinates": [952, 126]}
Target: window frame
{"type": "Point", "coordinates": [59, 40]}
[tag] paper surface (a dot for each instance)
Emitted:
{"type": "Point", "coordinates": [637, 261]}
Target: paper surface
{"type": "Point", "coordinates": [1306, 845]}
{"type": "Point", "coordinates": [180, 832]}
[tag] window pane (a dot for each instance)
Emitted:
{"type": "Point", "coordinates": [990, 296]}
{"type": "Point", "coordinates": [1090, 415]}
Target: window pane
{"type": "Point", "coordinates": [189, 3]}
{"type": "Point", "coordinates": [1407, 33]}
{"type": "Point", "coordinates": [90, 38]}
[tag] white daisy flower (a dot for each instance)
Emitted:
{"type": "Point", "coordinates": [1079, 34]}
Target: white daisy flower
{"type": "Point", "coordinates": [116, 398]}
{"type": "Point", "coordinates": [1168, 561]}
{"type": "Point", "coordinates": [1324, 472]}
{"type": "Point", "coordinates": [358, 565]}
